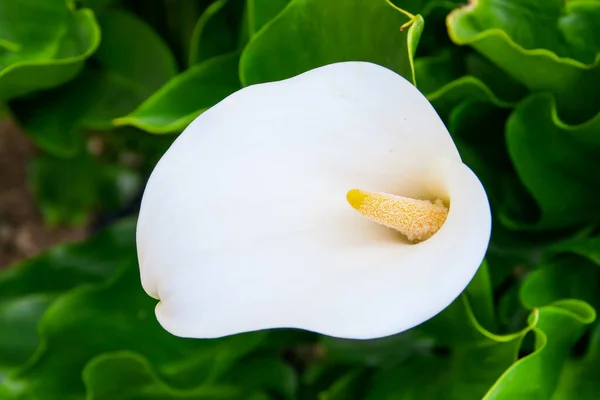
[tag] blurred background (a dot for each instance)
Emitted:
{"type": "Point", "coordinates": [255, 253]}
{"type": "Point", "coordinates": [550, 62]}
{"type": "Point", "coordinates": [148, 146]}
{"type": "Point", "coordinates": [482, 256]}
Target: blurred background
{"type": "Point", "coordinates": [93, 92]}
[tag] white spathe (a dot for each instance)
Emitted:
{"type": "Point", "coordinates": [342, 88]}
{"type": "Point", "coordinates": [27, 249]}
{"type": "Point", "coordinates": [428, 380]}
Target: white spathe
{"type": "Point", "coordinates": [244, 223]}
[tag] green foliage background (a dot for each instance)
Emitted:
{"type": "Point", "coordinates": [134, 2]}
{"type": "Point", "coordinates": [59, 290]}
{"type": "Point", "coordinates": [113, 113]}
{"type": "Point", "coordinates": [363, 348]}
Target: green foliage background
{"type": "Point", "coordinates": [517, 83]}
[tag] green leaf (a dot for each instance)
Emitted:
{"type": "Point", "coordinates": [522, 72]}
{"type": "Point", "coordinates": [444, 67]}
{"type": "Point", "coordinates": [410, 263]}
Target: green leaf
{"type": "Point", "coordinates": [51, 118]}
{"type": "Point", "coordinates": [569, 270]}
{"type": "Point", "coordinates": [312, 33]}
{"type": "Point", "coordinates": [451, 78]}
{"type": "Point", "coordinates": [547, 45]}
{"type": "Point", "coordinates": [175, 19]}
{"type": "Point", "coordinates": [27, 289]}
{"type": "Point", "coordinates": [129, 376]}
{"type": "Point", "coordinates": [579, 379]}
{"type": "Point", "coordinates": [116, 316]}
{"type": "Point", "coordinates": [260, 12]}
{"type": "Point", "coordinates": [42, 44]}
{"type": "Point", "coordinates": [68, 266]}
{"type": "Point", "coordinates": [217, 31]}
{"type": "Point", "coordinates": [554, 160]}
{"type": "Point", "coordinates": [18, 320]}
{"type": "Point", "coordinates": [186, 96]}
{"type": "Point", "coordinates": [569, 278]}
{"type": "Point", "coordinates": [588, 248]}
{"type": "Point", "coordinates": [500, 83]}
{"type": "Point", "coordinates": [436, 71]}
{"type": "Point", "coordinates": [98, 5]}
{"type": "Point", "coordinates": [135, 62]}
{"type": "Point", "coordinates": [535, 376]}
{"type": "Point", "coordinates": [55, 119]}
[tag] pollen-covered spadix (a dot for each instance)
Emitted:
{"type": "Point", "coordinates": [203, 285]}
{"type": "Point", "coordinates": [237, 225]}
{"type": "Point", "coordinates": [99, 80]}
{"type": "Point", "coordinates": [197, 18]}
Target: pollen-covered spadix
{"type": "Point", "coordinates": [415, 218]}
{"type": "Point", "coordinates": [245, 224]}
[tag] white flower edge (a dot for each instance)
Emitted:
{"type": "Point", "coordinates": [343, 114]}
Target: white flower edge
{"type": "Point", "coordinates": [244, 223]}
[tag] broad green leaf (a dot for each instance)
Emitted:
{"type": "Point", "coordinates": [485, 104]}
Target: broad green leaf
{"type": "Point", "coordinates": [175, 19]}
{"type": "Point", "coordinates": [312, 33]}
{"type": "Point", "coordinates": [260, 12]}
{"type": "Point", "coordinates": [436, 71]}
{"type": "Point", "coordinates": [452, 77]}
{"type": "Point", "coordinates": [563, 278]}
{"type": "Point", "coordinates": [28, 288]}
{"type": "Point", "coordinates": [54, 119]}
{"type": "Point", "coordinates": [500, 83]}
{"type": "Point", "coordinates": [42, 44]}
{"type": "Point", "coordinates": [68, 266]}
{"type": "Point", "coordinates": [554, 160]}
{"type": "Point", "coordinates": [588, 248]}
{"type": "Point", "coordinates": [568, 270]}
{"type": "Point", "coordinates": [547, 45]}
{"type": "Point", "coordinates": [535, 376]}
{"type": "Point", "coordinates": [129, 376]}
{"type": "Point", "coordinates": [51, 118]}
{"type": "Point", "coordinates": [135, 62]}
{"type": "Point", "coordinates": [217, 31]}
{"type": "Point", "coordinates": [466, 88]}
{"type": "Point", "coordinates": [116, 316]}
{"type": "Point", "coordinates": [99, 5]}
{"type": "Point", "coordinates": [186, 96]}
{"type": "Point", "coordinates": [579, 379]}
{"type": "Point", "coordinates": [18, 321]}
{"type": "Point", "coordinates": [31, 39]}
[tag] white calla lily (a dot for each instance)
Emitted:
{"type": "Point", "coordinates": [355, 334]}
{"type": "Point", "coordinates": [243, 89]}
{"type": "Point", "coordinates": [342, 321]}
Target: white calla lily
{"type": "Point", "coordinates": [245, 224]}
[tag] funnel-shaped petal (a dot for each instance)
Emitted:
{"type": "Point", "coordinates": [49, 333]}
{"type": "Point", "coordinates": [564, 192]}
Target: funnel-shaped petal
{"type": "Point", "coordinates": [245, 224]}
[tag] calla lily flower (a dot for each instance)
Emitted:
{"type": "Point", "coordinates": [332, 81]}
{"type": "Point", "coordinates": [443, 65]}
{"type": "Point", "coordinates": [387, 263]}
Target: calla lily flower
{"type": "Point", "coordinates": [334, 201]}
